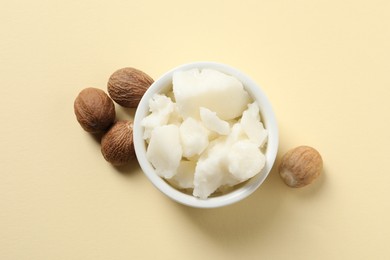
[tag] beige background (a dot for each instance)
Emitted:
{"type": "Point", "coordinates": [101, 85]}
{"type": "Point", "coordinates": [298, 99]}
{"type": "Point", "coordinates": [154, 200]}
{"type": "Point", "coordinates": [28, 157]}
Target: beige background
{"type": "Point", "coordinates": [323, 64]}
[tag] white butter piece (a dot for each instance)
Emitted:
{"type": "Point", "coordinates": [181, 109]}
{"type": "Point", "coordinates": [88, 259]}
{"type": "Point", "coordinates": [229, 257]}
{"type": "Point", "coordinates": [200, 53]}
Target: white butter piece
{"type": "Point", "coordinates": [245, 160]}
{"type": "Point", "coordinates": [184, 178]}
{"type": "Point", "coordinates": [194, 137]}
{"type": "Point", "coordinates": [211, 89]}
{"type": "Point", "coordinates": [161, 108]}
{"type": "Point", "coordinates": [252, 125]}
{"type": "Point", "coordinates": [209, 172]}
{"type": "Point", "coordinates": [164, 150]}
{"type": "Point", "coordinates": [212, 122]}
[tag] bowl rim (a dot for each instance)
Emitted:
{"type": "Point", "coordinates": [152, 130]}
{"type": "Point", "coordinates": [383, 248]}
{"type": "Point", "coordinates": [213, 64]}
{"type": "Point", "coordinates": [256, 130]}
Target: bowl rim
{"type": "Point", "coordinates": [164, 83]}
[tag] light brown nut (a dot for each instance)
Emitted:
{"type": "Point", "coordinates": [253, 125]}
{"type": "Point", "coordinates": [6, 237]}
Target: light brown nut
{"type": "Point", "coordinates": [94, 109]}
{"type": "Point", "coordinates": [300, 166]}
{"type": "Point", "coordinates": [126, 86]}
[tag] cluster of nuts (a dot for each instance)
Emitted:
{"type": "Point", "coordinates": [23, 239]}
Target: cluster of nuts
{"type": "Point", "coordinates": [95, 111]}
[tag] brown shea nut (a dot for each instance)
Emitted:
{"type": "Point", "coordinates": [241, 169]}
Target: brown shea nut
{"type": "Point", "coordinates": [94, 109]}
{"type": "Point", "coordinates": [117, 144]}
{"type": "Point", "coordinates": [126, 86]}
{"type": "Point", "coordinates": [300, 166]}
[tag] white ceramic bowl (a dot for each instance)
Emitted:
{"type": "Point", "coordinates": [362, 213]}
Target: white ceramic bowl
{"type": "Point", "coordinates": [162, 85]}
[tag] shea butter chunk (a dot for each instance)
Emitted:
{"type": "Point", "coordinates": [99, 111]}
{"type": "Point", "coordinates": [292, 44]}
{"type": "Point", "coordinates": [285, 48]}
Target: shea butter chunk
{"type": "Point", "coordinates": [161, 108]}
{"type": "Point", "coordinates": [184, 178]}
{"type": "Point", "coordinates": [236, 134]}
{"type": "Point", "coordinates": [211, 89]}
{"type": "Point", "coordinates": [164, 151]}
{"type": "Point", "coordinates": [194, 137]}
{"type": "Point", "coordinates": [213, 123]}
{"type": "Point", "coordinates": [245, 160]}
{"type": "Point", "coordinates": [211, 171]}
{"type": "Point", "coordinates": [252, 125]}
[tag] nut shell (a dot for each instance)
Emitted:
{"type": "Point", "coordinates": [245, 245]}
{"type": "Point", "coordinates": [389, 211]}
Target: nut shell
{"type": "Point", "coordinates": [117, 144]}
{"type": "Point", "coordinates": [300, 166]}
{"type": "Point", "coordinates": [94, 109]}
{"type": "Point", "coordinates": [126, 86]}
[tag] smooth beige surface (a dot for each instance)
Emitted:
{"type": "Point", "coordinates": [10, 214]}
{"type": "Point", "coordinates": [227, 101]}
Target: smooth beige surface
{"type": "Point", "coordinates": [325, 66]}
